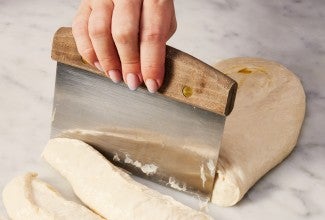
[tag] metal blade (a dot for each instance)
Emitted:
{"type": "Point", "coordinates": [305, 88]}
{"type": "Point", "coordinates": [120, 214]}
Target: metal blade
{"type": "Point", "coordinates": [163, 140]}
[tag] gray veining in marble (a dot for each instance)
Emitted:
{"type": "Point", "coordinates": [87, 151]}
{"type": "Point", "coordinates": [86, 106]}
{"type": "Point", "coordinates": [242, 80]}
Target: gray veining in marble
{"type": "Point", "coordinates": [291, 32]}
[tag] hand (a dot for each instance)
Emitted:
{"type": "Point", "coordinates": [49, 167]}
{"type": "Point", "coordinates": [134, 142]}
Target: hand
{"type": "Point", "coordinates": [126, 38]}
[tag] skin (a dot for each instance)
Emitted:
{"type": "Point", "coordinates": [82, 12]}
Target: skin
{"type": "Point", "coordinates": [126, 39]}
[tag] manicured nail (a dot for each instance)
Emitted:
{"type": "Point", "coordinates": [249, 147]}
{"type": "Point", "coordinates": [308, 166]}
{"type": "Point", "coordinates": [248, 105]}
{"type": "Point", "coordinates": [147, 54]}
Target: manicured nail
{"type": "Point", "coordinates": [115, 76]}
{"type": "Point", "coordinates": [98, 66]}
{"type": "Point", "coordinates": [132, 81]}
{"type": "Point", "coordinates": [152, 85]}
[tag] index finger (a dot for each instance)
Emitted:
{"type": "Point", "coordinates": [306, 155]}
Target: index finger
{"type": "Point", "coordinates": [81, 35]}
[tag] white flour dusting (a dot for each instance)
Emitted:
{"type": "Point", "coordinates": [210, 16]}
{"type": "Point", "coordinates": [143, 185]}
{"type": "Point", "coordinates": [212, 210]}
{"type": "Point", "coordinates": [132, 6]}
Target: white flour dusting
{"type": "Point", "coordinates": [128, 159]}
{"type": "Point", "coordinates": [212, 167]}
{"type": "Point", "coordinates": [116, 157]}
{"type": "Point", "coordinates": [203, 204]}
{"type": "Point", "coordinates": [148, 169]}
{"type": "Point", "coordinates": [137, 164]}
{"type": "Point", "coordinates": [176, 185]}
{"type": "Point", "coordinates": [203, 178]}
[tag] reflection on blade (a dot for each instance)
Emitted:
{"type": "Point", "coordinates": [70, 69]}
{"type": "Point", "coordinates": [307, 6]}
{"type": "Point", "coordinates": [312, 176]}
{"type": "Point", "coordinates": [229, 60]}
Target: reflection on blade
{"type": "Point", "coordinates": [168, 142]}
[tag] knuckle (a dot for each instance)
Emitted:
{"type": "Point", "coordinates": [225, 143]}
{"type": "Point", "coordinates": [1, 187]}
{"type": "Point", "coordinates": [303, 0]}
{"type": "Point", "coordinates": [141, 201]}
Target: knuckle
{"type": "Point", "coordinates": [131, 62]}
{"type": "Point", "coordinates": [87, 53]}
{"type": "Point", "coordinates": [124, 36]}
{"type": "Point", "coordinates": [108, 61]}
{"type": "Point", "coordinates": [150, 67]}
{"type": "Point", "coordinates": [153, 36]}
{"type": "Point", "coordinates": [98, 29]}
{"type": "Point", "coordinates": [124, 3]}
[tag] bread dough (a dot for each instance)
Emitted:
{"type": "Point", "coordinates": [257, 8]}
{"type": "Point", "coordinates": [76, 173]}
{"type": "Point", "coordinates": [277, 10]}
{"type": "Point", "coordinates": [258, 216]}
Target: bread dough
{"type": "Point", "coordinates": [108, 190]}
{"type": "Point", "coordinates": [263, 127]}
{"type": "Point", "coordinates": [2, 218]}
{"type": "Point", "coordinates": [27, 197]}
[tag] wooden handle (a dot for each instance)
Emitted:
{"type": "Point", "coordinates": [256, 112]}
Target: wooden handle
{"type": "Point", "coordinates": [187, 79]}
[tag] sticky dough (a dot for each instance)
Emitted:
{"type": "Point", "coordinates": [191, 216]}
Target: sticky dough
{"type": "Point", "coordinates": [27, 197]}
{"type": "Point", "coordinates": [263, 128]}
{"type": "Point", "coordinates": [108, 190]}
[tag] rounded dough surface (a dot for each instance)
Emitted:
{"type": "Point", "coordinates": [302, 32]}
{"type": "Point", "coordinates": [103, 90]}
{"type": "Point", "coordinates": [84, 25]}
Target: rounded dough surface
{"type": "Point", "coordinates": [28, 198]}
{"type": "Point", "coordinates": [107, 189]}
{"type": "Point", "coordinates": [263, 127]}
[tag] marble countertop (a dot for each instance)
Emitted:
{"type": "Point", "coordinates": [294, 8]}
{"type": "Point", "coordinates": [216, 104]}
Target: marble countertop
{"type": "Point", "coordinates": [290, 32]}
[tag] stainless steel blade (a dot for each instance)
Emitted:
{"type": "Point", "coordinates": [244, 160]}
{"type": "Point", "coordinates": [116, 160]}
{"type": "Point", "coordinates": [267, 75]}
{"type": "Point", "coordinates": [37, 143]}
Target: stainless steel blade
{"type": "Point", "coordinates": [168, 142]}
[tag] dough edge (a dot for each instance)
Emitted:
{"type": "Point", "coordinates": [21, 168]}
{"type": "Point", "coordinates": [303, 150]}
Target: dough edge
{"type": "Point", "coordinates": [27, 208]}
{"type": "Point", "coordinates": [53, 153]}
{"type": "Point", "coordinates": [228, 188]}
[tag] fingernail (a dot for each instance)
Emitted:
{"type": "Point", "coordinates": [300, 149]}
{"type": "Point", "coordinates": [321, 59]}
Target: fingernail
{"type": "Point", "coordinates": [132, 81]}
{"type": "Point", "coordinates": [98, 66]}
{"type": "Point", "coordinates": [152, 85]}
{"type": "Point", "coordinates": [115, 76]}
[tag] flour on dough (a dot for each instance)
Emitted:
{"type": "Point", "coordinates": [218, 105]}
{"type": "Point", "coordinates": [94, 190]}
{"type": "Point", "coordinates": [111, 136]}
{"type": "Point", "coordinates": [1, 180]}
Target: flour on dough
{"type": "Point", "coordinates": [107, 189]}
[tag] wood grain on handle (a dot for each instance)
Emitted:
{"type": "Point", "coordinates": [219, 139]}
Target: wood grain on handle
{"type": "Point", "coordinates": [187, 79]}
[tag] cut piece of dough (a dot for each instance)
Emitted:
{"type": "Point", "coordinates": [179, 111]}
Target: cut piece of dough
{"type": "Point", "coordinates": [2, 217]}
{"type": "Point", "coordinates": [108, 190]}
{"type": "Point", "coordinates": [262, 129]}
{"type": "Point", "coordinates": [26, 197]}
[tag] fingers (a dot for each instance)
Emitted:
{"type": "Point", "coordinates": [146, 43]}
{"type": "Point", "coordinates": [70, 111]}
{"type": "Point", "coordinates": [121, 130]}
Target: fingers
{"type": "Point", "coordinates": [110, 36]}
{"type": "Point", "coordinates": [156, 27]}
{"type": "Point", "coordinates": [125, 31]}
{"type": "Point", "coordinates": [99, 27]}
{"type": "Point", "coordinates": [81, 35]}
